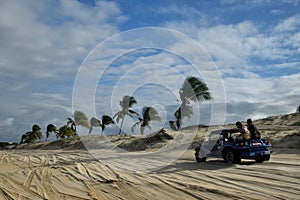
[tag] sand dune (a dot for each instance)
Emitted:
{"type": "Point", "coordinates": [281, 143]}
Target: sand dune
{"type": "Point", "coordinates": [65, 170]}
{"type": "Point", "coordinates": [76, 175]}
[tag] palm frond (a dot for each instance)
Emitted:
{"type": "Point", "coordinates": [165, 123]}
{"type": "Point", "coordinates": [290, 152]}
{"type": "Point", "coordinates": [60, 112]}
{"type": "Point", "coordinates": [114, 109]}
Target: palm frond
{"type": "Point", "coordinates": [106, 120]}
{"type": "Point", "coordinates": [172, 125]}
{"type": "Point", "coordinates": [194, 89]}
{"type": "Point", "coordinates": [156, 118]}
{"type": "Point", "coordinates": [70, 121]}
{"type": "Point", "coordinates": [134, 126]}
{"type": "Point", "coordinates": [149, 114]}
{"type": "Point", "coordinates": [36, 127]}
{"type": "Point", "coordinates": [133, 112]}
{"type": "Point", "coordinates": [132, 101]}
{"type": "Point", "coordinates": [177, 113]}
{"type": "Point", "coordinates": [95, 122]}
{"type": "Point", "coordinates": [149, 126]}
{"type": "Point", "coordinates": [81, 119]}
{"type": "Point", "coordinates": [116, 114]}
{"type": "Point", "coordinates": [51, 128]}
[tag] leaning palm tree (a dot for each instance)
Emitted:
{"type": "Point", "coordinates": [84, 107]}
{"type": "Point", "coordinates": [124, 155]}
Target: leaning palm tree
{"type": "Point", "coordinates": [51, 128]}
{"type": "Point", "coordinates": [149, 114]}
{"type": "Point", "coordinates": [94, 122]}
{"type": "Point", "coordinates": [182, 111]}
{"type": "Point", "coordinates": [106, 120]}
{"type": "Point", "coordinates": [31, 136]}
{"type": "Point", "coordinates": [192, 90]}
{"type": "Point", "coordinates": [25, 138]}
{"type": "Point", "coordinates": [126, 103]}
{"type": "Point", "coordinates": [65, 131]}
{"type": "Point", "coordinates": [36, 133]}
{"type": "Point", "coordinates": [80, 119]}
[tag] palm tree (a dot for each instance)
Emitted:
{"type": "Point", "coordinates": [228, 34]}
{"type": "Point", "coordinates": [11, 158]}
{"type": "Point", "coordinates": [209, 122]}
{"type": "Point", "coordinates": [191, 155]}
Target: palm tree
{"type": "Point", "coordinates": [182, 111]}
{"type": "Point", "coordinates": [94, 122]}
{"type": "Point", "coordinates": [126, 103]}
{"type": "Point", "coordinates": [149, 114]}
{"type": "Point", "coordinates": [51, 128]}
{"type": "Point", "coordinates": [65, 131]}
{"type": "Point", "coordinates": [32, 135]}
{"type": "Point", "coordinates": [80, 119]}
{"type": "Point", "coordinates": [106, 120]}
{"type": "Point", "coordinates": [192, 90]}
{"type": "Point", "coordinates": [25, 138]}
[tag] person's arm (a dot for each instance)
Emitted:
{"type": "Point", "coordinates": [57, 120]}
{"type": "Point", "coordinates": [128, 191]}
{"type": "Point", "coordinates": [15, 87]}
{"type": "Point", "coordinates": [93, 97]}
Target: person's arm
{"type": "Point", "coordinates": [256, 129]}
{"type": "Point", "coordinates": [234, 130]}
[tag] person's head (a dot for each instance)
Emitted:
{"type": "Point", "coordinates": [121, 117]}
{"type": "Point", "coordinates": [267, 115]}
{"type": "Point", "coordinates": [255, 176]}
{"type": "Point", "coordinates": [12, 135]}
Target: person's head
{"type": "Point", "coordinates": [239, 124]}
{"type": "Point", "coordinates": [249, 121]}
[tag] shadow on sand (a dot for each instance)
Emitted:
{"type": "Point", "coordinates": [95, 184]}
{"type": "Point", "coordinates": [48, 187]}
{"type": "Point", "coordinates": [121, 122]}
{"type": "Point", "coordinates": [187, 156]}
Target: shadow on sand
{"type": "Point", "coordinates": [208, 165]}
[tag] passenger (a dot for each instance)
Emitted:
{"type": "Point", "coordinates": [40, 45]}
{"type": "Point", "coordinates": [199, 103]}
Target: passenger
{"type": "Point", "coordinates": [243, 130]}
{"type": "Point", "coordinates": [254, 133]}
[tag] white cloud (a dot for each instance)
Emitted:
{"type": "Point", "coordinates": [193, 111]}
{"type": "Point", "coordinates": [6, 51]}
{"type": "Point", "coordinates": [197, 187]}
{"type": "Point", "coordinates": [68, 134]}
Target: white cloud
{"type": "Point", "coordinates": [289, 24]}
{"type": "Point", "coordinates": [227, 44]}
{"type": "Point", "coordinates": [234, 47]}
{"type": "Point", "coordinates": [187, 13]}
{"type": "Point", "coordinates": [7, 122]}
{"type": "Point", "coordinates": [282, 93]}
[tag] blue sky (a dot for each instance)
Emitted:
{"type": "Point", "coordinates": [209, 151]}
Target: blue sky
{"type": "Point", "coordinates": [255, 46]}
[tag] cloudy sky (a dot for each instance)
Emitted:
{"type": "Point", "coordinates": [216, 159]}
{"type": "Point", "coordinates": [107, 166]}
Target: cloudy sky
{"type": "Point", "coordinates": [57, 56]}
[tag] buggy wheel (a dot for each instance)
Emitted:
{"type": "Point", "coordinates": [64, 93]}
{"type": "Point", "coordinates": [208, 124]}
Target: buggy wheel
{"type": "Point", "coordinates": [198, 158]}
{"type": "Point", "coordinates": [230, 156]}
{"type": "Point", "coordinates": [259, 159]}
{"type": "Point", "coordinates": [267, 157]}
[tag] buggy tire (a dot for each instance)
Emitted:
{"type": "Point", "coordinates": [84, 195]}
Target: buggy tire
{"type": "Point", "coordinates": [230, 156]}
{"type": "Point", "coordinates": [267, 157]}
{"type": "Point", "coordinates": [198, 159]}
{"type": "Point", "coordinates": [261, 159]}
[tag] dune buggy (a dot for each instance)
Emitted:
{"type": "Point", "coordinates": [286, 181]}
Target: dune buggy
{"type": "Point", "coordinates": [222, 143]}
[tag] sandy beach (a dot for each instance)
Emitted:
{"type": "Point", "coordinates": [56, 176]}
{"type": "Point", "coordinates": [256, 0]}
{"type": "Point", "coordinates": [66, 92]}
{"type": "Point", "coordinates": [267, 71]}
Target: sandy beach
{"type": "Point", "coordinates": [37, 172]}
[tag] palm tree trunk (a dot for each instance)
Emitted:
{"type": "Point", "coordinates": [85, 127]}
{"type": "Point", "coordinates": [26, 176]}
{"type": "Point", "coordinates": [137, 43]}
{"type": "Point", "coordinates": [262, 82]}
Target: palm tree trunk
{"type": "Point", "coordinates": [142, 130]}
{"type": "Point", "coordinates": [102, 129]}
{"type": "Point", "coordinates": [90, 130]}
{"type": "Point", "coordinates": [121, 126]}
{"type": "Point", "coordinates": [178, 123]}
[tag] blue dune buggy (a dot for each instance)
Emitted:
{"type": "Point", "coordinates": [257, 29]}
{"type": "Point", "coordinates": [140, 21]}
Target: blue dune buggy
{"type": "Point", "coordinates": [222, 143]}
